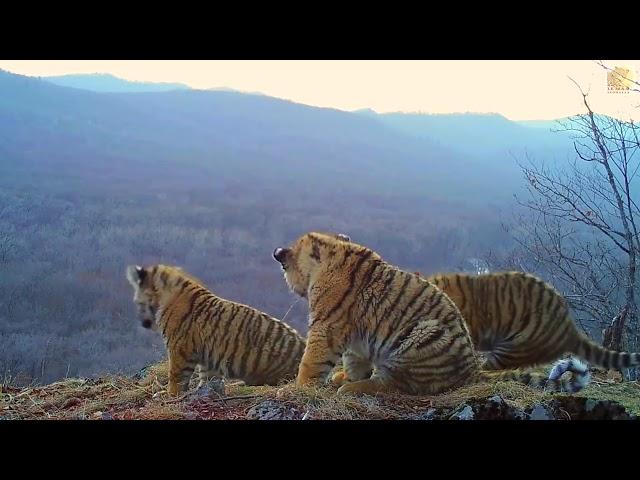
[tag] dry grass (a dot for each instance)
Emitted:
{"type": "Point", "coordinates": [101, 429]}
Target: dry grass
{"type": "Point", "coordinates": [625, 393]}
{"type": "Point", "coordinates": [126, 398]}
{"type": "Point", "coordinates": [73, 398]}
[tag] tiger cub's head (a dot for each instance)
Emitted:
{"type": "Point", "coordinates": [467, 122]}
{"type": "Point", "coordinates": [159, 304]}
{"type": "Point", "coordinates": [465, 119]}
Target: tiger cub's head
{"type": "Point", "coordinates": [156, 286]}
{"type": "Point", "coordinates": [301, 261]}
{"type": "Point", "coordinates": [145, 296]}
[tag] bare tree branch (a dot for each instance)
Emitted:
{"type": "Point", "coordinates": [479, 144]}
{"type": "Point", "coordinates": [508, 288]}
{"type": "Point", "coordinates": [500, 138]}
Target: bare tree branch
{"type": "Point", "coordinates": [580, 225]}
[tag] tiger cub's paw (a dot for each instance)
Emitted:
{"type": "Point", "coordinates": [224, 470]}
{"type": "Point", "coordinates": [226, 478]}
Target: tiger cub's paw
{"type": "Point", "coordinates": [368, 386]}
{"type": "Point", "coordinates": [339, 378]}
{"type": "Point", "coordinates": [349, 389]}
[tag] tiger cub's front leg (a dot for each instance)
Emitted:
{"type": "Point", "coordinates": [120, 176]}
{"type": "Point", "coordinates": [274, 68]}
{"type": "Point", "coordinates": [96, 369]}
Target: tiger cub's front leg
{"type": "Point", "coordinates": [322, 352]}
{"type": "Point", "coordinates": [180, 372]}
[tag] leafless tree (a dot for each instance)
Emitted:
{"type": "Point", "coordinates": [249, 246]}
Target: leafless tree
{"type": "Point", "coordinates": [7, 241]}
{"type": "Point", "coordinates": [6, 246]}
{"type": "Point", "coordinates": [582, 220]}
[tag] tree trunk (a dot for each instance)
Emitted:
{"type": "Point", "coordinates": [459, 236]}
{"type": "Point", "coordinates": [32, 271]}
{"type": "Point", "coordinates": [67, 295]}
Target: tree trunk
{"type": "Point", "coordinates": [613, 335]}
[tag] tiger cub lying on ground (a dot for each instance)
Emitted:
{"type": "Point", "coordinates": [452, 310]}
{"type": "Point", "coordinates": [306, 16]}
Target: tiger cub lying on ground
{"type": "Point", "coordinates": [220, 336]}
{"type": "Point", "coordinates": [522, 321]}
{"type": "Point", "coordinates": [398, 332]}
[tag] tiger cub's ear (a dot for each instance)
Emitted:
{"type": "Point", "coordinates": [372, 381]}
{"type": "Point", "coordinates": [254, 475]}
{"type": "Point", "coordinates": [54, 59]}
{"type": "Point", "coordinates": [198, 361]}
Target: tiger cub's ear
{"type": "Point", "coordinates": [342, 236]}
{"type": "Point", "coordinates": [136, 275]}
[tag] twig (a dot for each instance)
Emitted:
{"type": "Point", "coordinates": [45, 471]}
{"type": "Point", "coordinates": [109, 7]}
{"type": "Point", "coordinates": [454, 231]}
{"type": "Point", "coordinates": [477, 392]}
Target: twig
{"type": "Point", "coordinates": [38, 406]}
{"type": "Point", "coordinates": [175, 400]}
{"type": "Point", "coordinates": [292, 305]}
{"type": "Point", "coordinates": [598, 382]}
{"type": "Point", "coordinates": [26, 392]}
{"type": "Point", "coordinates": [566, 413]}
{"type": "Point", "coordinates": [222, 399]}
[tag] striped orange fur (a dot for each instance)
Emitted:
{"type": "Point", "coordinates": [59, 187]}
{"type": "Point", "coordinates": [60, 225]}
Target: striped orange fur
{"type": "Point", "coordinates": [220, 337]}
{"type": "Point", "coordinates": [397, 331]}
{"type": "Point", "coordinates": [522, 321]}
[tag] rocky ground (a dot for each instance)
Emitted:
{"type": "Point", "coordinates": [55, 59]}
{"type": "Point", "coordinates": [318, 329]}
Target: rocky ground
{"type": "Point", "coordinates": [141, 398]}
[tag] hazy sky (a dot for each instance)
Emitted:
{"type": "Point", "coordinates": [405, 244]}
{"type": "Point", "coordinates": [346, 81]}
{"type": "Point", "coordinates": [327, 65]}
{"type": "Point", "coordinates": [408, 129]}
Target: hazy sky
{"type": "Point", "coordinates": [519, 90]}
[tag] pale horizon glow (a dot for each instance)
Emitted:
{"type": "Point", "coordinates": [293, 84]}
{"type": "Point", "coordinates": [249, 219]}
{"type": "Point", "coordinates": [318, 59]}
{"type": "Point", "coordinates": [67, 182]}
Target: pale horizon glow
{"type": "Point", "coordinates": [518, 90]}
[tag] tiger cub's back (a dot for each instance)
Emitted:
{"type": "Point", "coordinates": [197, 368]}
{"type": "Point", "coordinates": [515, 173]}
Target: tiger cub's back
{"type": "Point", "coordinates": [519, 317]}
{"type": "Point", "coordinates": [258, 348]}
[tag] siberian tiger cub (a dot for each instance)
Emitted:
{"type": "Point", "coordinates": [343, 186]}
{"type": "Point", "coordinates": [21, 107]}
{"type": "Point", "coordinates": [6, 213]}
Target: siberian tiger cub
{"type": "Point", "coordinates": [521, 321]}
{"type": "Point", "coordinates": [399, 332]}
{"type": "Point", "coordinates": [222, 337]}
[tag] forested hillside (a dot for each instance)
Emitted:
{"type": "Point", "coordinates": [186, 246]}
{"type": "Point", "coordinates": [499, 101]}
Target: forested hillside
{"type": "Point", "coordinates": [213, 181]}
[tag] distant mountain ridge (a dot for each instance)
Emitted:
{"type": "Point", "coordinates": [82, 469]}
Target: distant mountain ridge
{"type": "Point", "coordinates": [108, 83]}
{"type": "Point", "coordinates": [409, 122]}
{"type": "Point", "coordinates": [546, 124]}
{"type": "Point", "coordinates": [105, 82]}
{"type": "Point", "coordinates": [480, 135]}
{"type": "Point", "coordinates": [238, 133]}
{"type": "Point", "coordinates": [244, 134]}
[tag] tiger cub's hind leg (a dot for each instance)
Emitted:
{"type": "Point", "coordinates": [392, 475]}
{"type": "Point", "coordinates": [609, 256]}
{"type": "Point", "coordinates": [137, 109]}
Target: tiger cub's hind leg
{"type": "Point", "coordinates": [354, 368]}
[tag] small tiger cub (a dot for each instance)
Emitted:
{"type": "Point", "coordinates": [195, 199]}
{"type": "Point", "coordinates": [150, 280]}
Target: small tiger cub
{"type": "Point", "coordinates": [522, 321]}
{"type": "Point", "coordinates": [399, 333]}
{"type": "Point", "coordinates": [221, 337]}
